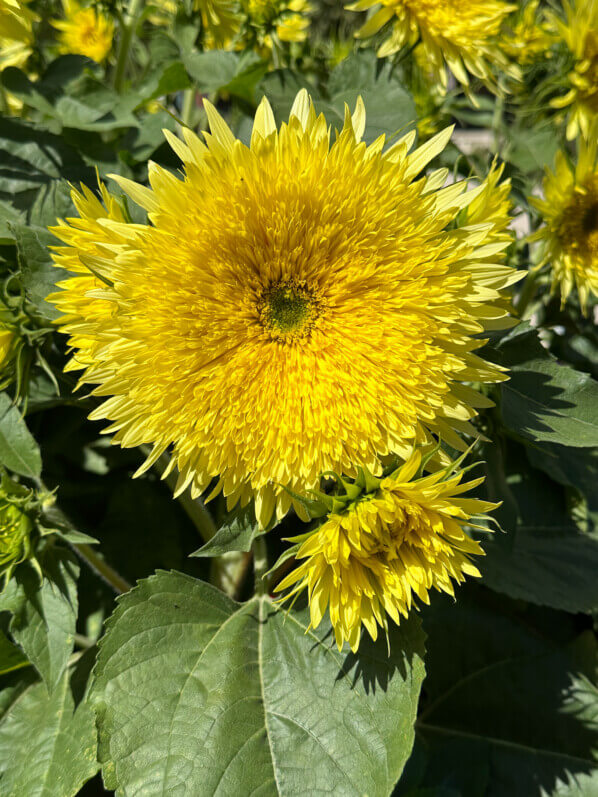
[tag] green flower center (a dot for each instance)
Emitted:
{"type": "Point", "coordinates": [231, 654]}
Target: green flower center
{"type": "Point", "coordinates": [288, 309]}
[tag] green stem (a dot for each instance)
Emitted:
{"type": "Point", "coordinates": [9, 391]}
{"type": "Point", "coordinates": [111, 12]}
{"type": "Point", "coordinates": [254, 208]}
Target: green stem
{"type": "Point", "coordinates": [99, 566]}
{"type": "Point", "coordinates": [260, 564]}
{"type": "Point", "coordinates": [126, 36]}
{"type": "Point", "coordinates": [188, 106]}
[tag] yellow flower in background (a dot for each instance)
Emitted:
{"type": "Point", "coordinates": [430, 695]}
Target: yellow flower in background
{"type": "Point", "coordinates": [290, 308]}
{"type": "Point", "coordinates": [16, 33]}
{"type": "Point", "coordinates": [220, 19]}
{"type": "Point", "coordinates": [397, 541]}
{"type": "Point", "coordinates": [287, 19]}
{"type": "Point", "coordinates": [530, 36]}
{"type": "Point", "coordinates": [579, 30]}
{"type": "Point", "coordinates": [570, 213]}
{"type": "Point", "coordinates": [458, 34]}
{"type": "Point", "coordinates": [84, 31]}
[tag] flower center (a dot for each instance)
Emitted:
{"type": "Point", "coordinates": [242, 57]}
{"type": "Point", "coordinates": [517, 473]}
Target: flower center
{"type": "Point", "coordinates": [579, 226]}
{"type": "Point", "coordinates": [289, 309]}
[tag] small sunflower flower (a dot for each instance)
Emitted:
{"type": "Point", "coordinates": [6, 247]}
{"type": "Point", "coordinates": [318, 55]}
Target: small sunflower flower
{"type": "Point", "coordinates": [288, 20]}
{"type": "Point", "coordinates": [84, 31]}
{"type": "Point", "coordinates": [15, 532]}
{"type": "Point", "coordinates": [570, 212]}
{"type": "Point", "coordinates": [392, 542]}
{"type": "Point", "coordinates": [460, 35]}
{"type": "Point", "coordinates": [579, 30]}
{"type": "Point", "coordinates": [289, 308]}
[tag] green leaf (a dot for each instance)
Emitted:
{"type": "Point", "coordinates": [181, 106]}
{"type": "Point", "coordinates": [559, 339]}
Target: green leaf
{"type": "Point", "coordinates": [237, 533]}
{"type": "Point", "coordinates": [544, 557]}
{"type": "Point", "coordinates": [11, 658]}
{"type": "Point", "coordinates": [197, 694]}
{"type": "Point", "coordinates": [211, 70]}
{"type": "Point", "coordinates": [47, 746]}
{"type": "Point", "coordinates": [510, 705]}
{"type": "Point", "coordinates": [18, 450]}
{"type": "Point", "coordinates": [38, 273]}
{"type": "Point", "coordinates": [543, 400]}
{"type": "Point", "coordinates": [44, 623]}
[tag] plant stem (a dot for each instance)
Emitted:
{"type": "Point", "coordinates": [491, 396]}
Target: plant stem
{"type": "Point", "coordinates": [260, 564]}
{"type": "Point", "coordinates": [99, 566]}
{"type": "Point", "coordinates": [188, 106]}
{"type": "Point", "coordinates": [126, 35]}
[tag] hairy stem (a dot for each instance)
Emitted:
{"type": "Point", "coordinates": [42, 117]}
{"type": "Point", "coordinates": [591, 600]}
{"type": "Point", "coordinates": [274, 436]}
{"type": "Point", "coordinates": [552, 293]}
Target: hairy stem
{"type": "Point", "coordinates": [126, 36]}
{"type": "Point", "coordinates": [101, 568]}
{"type": "Point", "coordinates": [260, 564]}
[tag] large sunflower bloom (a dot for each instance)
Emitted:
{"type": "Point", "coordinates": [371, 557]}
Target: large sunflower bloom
{"type": "Point", "coordinates": [579, 30]}
{"type": "Point", "coordinates": [289, 308]}
{"type": "Point", "coordinates": [396, 540]}
{"type": "Point", "coordinates": [570, 213]}
{"type": "Point", "coordinates": [84, 31]}
{"type": "Point", "coordinates": [458, 34]}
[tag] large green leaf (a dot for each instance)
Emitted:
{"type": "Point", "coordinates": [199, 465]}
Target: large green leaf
{"type": "Point", "coordinates": [45, 614]}
{"type": "Point", "coordinates": [47, 746]}
{"type": "Point", "coordinates": [199, 695]}
{"type": "Point", "coordinates": [38, 273]}
{"type": "Point", "coordinates": [544, 400]}
{"type": "Point", "coordinates": [544, 557]}
{"type": "Point", "coordinates": [18, 450]}
{"type": "Point", "coordinates": [510, 702]}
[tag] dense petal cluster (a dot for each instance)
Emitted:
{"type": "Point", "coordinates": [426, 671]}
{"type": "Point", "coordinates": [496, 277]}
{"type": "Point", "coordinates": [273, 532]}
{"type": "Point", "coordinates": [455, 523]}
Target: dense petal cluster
{"type": "Point", "coordinates": [289, 308]}
{"type": "Point", "coordinates": [367, 562]}
{"type": "Point", "coordinates": [579, 30]}
{"type": "Point", "coordinates": [570, 212]}
{"type": "Point", "coordinates": [84, 31]}
{"type": "Point", "coordinates": [458, 34]}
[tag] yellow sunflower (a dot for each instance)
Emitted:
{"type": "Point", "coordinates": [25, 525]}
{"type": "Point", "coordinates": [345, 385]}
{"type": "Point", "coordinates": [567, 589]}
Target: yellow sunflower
{"type": "Point", "coordinates": [220, 19]}
{"type": "Point", "coordinates": [289, 308]}
{"type": "Point", "coordinates": [570, 213]}
{"type": "Point", "coordinates": [287, 19]}
{"type": "Point", "coordinates": [458, 34]}
{"type": "Point", "coordinates": [579, 30]}
{"type": "Point", "coordinates": [84, 31]}
{"type": "Point", "coordinates": [16, 32]}
{"type": "Point", "coordinates": [530, 36]}
{"type": "Point", "coordinates": [397, 539]}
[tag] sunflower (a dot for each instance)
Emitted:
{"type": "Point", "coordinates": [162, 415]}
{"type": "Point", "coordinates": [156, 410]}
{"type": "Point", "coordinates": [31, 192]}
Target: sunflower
{"type": "Point", "coordinates": [15, 531]}
{"type": "Point", "coordinates": [579, 30]}
{"type": "Point", "coordinates": [16, 32]}
{"type": "Point", "coordinates": [458, 34]}
{"type": "Point", "coordinates": [286, 19]}
{"type": "Point", "coordinates": [570, 213]}
{"type": "Point", "coordinates": [530, 36]}
{"type": "Point", "coordinates": [84, 31]}
{"type": "Point", "coordinates": [289, 308]}
{"type": "Point", "coordinates": [220, 19]}
{"type": "Point", "coordinates": [394, 539]}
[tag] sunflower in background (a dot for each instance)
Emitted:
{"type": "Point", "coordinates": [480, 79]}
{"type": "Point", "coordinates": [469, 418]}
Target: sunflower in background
{"type": "Point", "coordinates": [570, 212]}
{"type": "Point", "coordinates": [530, 37]}
{"type": "Point", "coordinates": [456, 35]}
{"type": "Point", "coordinates": [579, 31]}
{"type": "Point", "coordinates": [265, 20]}
{"type": "Point", "coordinates": [389, 541]}
{"type": "Point", "coordinates": [84, 31]}
{"type": "Point", "coordinates": [220, 20]}
{"type": "Point", "coordinates": [16, 32]}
